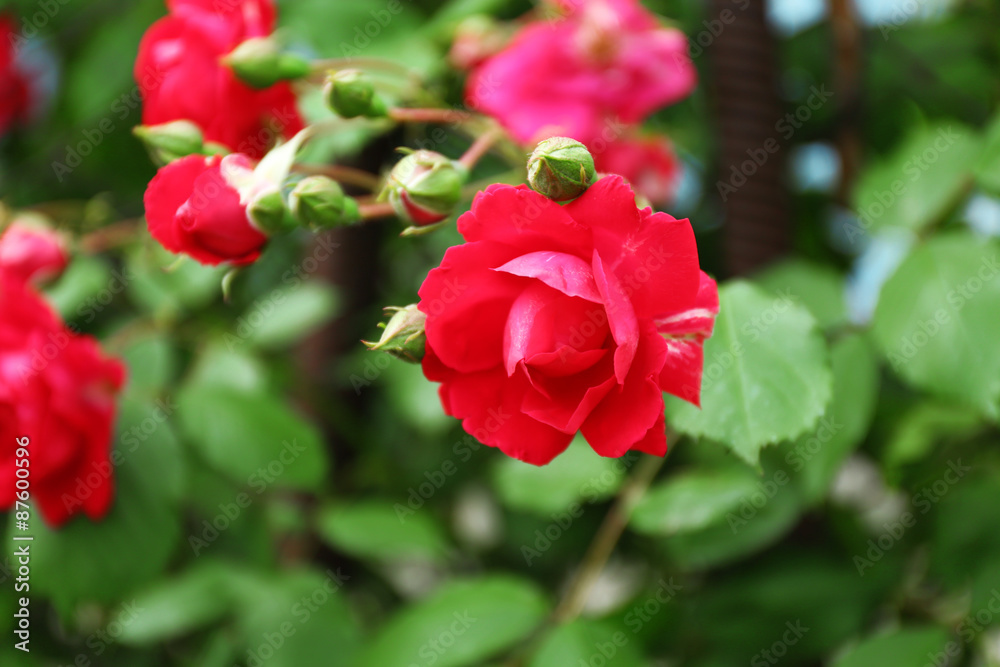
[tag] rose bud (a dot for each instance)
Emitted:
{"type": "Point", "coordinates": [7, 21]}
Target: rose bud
{"type": "Point", "coordinates": [403, 337]}
{"type": "Point", "coordinates": [560, 168]}
{"type": "Point", "coordinates": [31, 251]}
{"type": "Point", "coordinates": [267, 211]}
{"type": "Point", "coordinates": [319, 202]}
{"type": "Point", "coordinates": [171, 141]}
{"type": "Point", "coordinates": [259, 62]}
{"type": "Point", "coordinates": [424, 187]}
{"type": "Point", "coordinates": [198, 206]}
{"type": "Point", "coordinates": [351, 93]}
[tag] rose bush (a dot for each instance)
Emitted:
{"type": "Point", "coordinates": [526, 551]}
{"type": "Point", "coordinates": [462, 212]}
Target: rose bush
{"type": "Point", "coordinates": [551, 320]}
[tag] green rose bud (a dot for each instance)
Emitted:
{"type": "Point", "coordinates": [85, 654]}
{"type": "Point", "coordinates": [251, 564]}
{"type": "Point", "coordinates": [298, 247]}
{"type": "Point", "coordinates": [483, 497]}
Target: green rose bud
{"type": "Point", "coordinates": [260, 63]}
{"type": "Point", "coordinates": [267, 212]}
{"type": "Point", "coordinates": [351, 93]}
{"type": "Point", "coordinates": [560, 168]}
{"type": "Point", "coordinates": [403, 337]}
{"type": "Point", "coordinates": [320, 202]}
{"type": "Point", "coordinates": [424, 187]}
{"type": "Point", "coordinates": [170, 141]}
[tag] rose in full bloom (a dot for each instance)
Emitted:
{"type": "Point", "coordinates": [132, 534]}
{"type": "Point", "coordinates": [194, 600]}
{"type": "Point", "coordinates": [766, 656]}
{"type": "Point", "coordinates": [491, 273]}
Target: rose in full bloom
{"type": "Point", "coordinates": [607, 63]}
{"type": "Point", "coordinates": [15, 90]}
{"type": "Point", "coordinates": [199, 206]}
{"type": "Point", "coordinates": [58, 390]}
{"type": "Point", "coordinates": [31, 252]}
{"type": "Point", "coordinates": [648, 164]}
{"type": "Point", "coordinates": [555, 319]}
{"type": "Point", "coordinates": [181, 77]}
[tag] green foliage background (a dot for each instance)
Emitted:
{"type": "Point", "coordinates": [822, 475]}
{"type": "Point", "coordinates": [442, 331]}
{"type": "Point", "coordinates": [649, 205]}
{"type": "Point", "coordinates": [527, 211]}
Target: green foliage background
{"type": "Point", "coordinates": [272, 511]}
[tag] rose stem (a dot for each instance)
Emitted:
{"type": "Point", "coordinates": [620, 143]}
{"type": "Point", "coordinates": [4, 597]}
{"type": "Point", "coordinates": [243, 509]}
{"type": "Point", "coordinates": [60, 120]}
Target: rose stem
{"type": "Point", "coordinates": [479, 148]}
{"type": "Point", "coordinates": [348, 175]}
{"type": "Point", "coordinates": [402, 115]}
{"type": "Point", "coordinates": [376, 210]}
{"type": "Point", "coordinates": [606, 538]}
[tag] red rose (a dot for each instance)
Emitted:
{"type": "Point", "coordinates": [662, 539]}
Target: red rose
{"type": "Point", "coordinates": [15, 91]}
{"type": "Point", "coordinates": [57, 389]}
{"type": "Point", "coordinates": [648, 164]}
{"type": "Point", "coordinates": [607, 63]}
{"type": "Point", "coordinates": [556, 319]}
{"type": "Point", "coordinates": [181, 77]}
{"type": "Point", "coordinates": [194, 206]}
{"type": "Point", "coordinates": [31, 253]}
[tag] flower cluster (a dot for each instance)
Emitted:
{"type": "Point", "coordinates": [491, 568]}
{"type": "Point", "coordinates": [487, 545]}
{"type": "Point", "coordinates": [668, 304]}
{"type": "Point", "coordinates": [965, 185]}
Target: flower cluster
{"type": "Point", "coordinates": [56, 387]}
{"type": "Point", "coordinates": [593, 73]}
{"type": "Point", "coordinates": [182, 77]}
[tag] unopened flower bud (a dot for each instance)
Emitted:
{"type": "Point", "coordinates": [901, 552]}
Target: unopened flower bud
{"type": "Point", "coordinates": [170, 141]}
{"type": "Point", "coordinates": [403, 337]}
{"type": "Point", "coordinates": [560, 168]}
{"type": "Point", "coordinates": [424, 187]}
{"type": "Point", "coordinates": [260, 62]}
{"type": "Point", "coordinates": [351, 93]}
{"type": "Point", "coordinates": [318, 201]}
{"type": "Point", "coordinates": [268, 213]}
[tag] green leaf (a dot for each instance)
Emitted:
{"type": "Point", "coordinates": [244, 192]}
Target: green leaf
{"type": "Point", "coordinates": [578, 475]}
{"type": "Point", "coordinates": [765, 378]}
{"type": "Point", "coordinates": [474, 619]}
{"type": "Point", "coordinates": [920, 182]}
{"type": "Point", "coordinates": [165, 290]}
{"type": "Point", "coordinates": [253, 438]}
{"type": "Point", "coordinates": [907, 647]}
{"type": "Point", "coordinates": [283, 317]}
{"type": "Point", "coordinates": [692, 500]}
{"type": "Point", "coordinates": [296, 619]}
{"type": "Point", "coordinates": [195, 598]}
{"type": "Point", "coordinates": [965, 538]}
{"type": "Point", "coordinates": [375, 530]}
{"type": "Point", "coordinates": [817, 287]}
{"type": "Point", "coordinates": [224, 366]}
{"type": "Point", "coordinates": [587, 642]}
{"type": "Point", "coordinates": [819, 454]}
{"type": "Point", "coordinates": [917, 431]}
{"type": "Point", "coordinates": [937, 316]}
{"type": "Point", "coordinates": [80, 291]}
{"type": "Point", "coordinates": [151, 361]}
